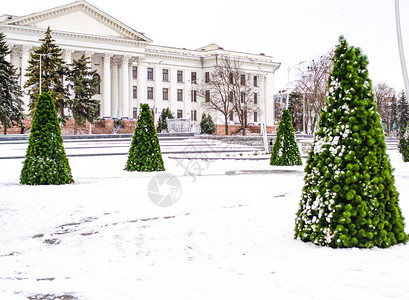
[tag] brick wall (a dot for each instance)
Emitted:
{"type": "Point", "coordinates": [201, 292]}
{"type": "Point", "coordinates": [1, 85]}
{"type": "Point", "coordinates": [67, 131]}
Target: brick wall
{"type": "Point", "coordinates": [236, 129]}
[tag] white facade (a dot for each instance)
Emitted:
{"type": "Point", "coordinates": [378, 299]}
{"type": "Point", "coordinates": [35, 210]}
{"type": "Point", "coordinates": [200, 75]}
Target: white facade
{"type": "Point", "coordinates": [131, 68]}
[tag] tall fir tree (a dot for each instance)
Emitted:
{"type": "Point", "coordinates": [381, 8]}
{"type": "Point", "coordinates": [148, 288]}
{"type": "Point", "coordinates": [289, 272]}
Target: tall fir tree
{"type": "Point", "coordinates": [53, 69]}
{"type": "Point", "coordinates": [285, 151]}
{"type": "Point", "coordinates": [403, 113]}
{"type": "Point", "coordinates": [84, 85]}
{"type": "Point", "coordinates": [349, 198]}
{"type": "Point", "coordinates": [165, 114]}
{"type": "Point", "coordinates": [144, 153]}
{"type": "Point", "coordinates": [11, 103]}
{"type": "Point", "coordinates": [45, 162]}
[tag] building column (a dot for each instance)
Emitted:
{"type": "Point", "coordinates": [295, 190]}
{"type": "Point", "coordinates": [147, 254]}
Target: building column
{"type": "Point", "coordinates": [114, 90]}
{"type": "Point", "coordinates": [157, 106]}
{"type": "Point", "coordinates": [269, 99]}
{"type": "Point", "coordinates": [106, 107]}
{"type": "Point", "coordinates": [141, 83]}
{"type": "Point", "coordinates": [187, 95]}
{"type": "Point", "coordinates": [125, 86]}
{"type": "Point", "coordinates": [68, 60]}
{"type": "Point", "coordinates": [25, 56]}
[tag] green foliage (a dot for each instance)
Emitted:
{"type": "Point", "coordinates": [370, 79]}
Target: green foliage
{"type": "Point", "coordinates": [165, 114]}
{"type": "Point", "coordinates": [46, 162]}
{"type": "Point", "coordinates": [11, 111]}
{"type": "Point", "coordinates": [349, 198]}
{"type": "Point", "coordinates": [84, 84]}
{"type": "Point", "coordinates": [207, 124]}
{"type": "Point", "coordinates": [403, 113]}
{"type": "Point", "coordinates": [285, 150]}
{"type": "Point", "coordinates": [52, 71]}
{"type": "Point", "coordinates": [144, 154]}
{"type": "Point", "coordinates": [404, 144]}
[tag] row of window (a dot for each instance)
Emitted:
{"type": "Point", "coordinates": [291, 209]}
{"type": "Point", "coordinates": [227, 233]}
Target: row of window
{"type": "Point", "coordinates": [193, 76]}
{"type": "Point", "coordinates": [165, 94]}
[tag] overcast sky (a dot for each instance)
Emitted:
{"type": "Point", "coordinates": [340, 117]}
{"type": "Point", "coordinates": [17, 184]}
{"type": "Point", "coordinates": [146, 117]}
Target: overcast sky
{"type": "Point", "coordinates": [289, 30]}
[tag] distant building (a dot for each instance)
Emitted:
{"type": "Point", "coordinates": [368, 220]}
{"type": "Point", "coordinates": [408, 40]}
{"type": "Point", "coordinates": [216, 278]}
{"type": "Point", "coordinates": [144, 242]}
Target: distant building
{"type": "Point", "coordinates": [132, 70]}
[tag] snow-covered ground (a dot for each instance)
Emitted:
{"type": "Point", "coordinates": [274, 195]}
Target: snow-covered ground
{"type": "Point", "coordinates": [229, 236]}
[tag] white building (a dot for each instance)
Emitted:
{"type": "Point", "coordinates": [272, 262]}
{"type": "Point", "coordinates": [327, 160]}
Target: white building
{"type": "Point", "coordinates": [132, 70]}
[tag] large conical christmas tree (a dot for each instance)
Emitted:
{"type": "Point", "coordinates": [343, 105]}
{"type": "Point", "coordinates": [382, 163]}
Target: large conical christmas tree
{"type": "Point", "coordinates": [144, 154]}
{"type": "Point", "coordinates": [46, 162]}
{"type": "Point", "coordinates": [349, 198]}
{"type": "Point", "coordinates": [285, 150]}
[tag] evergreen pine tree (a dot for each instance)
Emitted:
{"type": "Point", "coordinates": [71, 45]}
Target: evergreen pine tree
{"type": "Point", "coordinates": [404, 144]}
{"type": "Point", "coordinates": [144, 153]}
{"type": "Point", "coordinates": [349, 198]}
{"type": "Point", "coordinates": [84, 84]}
{"type": "Point", "coordinates": [207, 124]}
{"type": "Point", "coordinates": [165, 114]}
{"type": "Point", "coordinates": [11, 104]}
{"type": "Point", "coordinates": [285, 150]}
{"type": "Point", "coordinates": [52, 71]}
{"type": "Point", "coordinates": [46, 162]}
{"type": "Point", "coordinates": [403, 113]}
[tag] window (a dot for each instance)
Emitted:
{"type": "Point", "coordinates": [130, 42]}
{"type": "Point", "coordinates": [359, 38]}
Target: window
{"type": "Point", "coordinates": [180, 76]}
{"type": "Point", "coordinates": [231, 78]}
{"type": "Point", "coordinates": [255, 98]}
{"type": "Point", "coordinates": [207, 95]}
{"type": "Point", "coordinates": [165, 94]}
{"type": "Point", "coordinates": [150, 73]}
{"type": "Point", "coordinates": [135, 113]}
{"type": "Point", "coordinates": [135, 92]}
{"type": "Point", "coordinates": [242, 97]}
{"type": "Point", "coordinates": [255, 116]}
{"type": "Point", "coordinates": [165, 75]}
{"type": "Point", "coordinates": [134, 72]}
{"type": "Point", "coordinates": [193, 96]}
{"type": "Point", "coordinates": [231, 96]}
{"type": "Point", "coordinates": [193, 77]}
{"type": "Point", "coordinates": [193, 115]}
{"type": "Point", "coordinates": [150, 92]}
{"type": "Point", "coordinates": [231, 116]}
{"type": "Point", "coordinates": [255, 81]}
{"type": "Point", "coordinates": [243, 79]}
{"type": "Point", "coordinates": [179, 114]}
{"type": "Point", "coordinates": [207, 77]}
{"type": "Point", "coordinates": [180, 95]}
{"type": "Point", "coordinates": [97, 77]}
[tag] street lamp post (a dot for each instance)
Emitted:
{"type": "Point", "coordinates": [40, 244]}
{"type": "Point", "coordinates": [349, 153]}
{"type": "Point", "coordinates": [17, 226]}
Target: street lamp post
{"type": "Point", "coordinates": [288, 81]}
{"type": "Point", "coordinates": [41, 55]}
{"type": "Point", "coordinates": [400, 46]}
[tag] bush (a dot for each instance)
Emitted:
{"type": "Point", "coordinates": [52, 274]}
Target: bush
{"type": "Point", "coordinates": [207, 124]}
{"type": "Point", "coordinates": [349, 197]}
{"type": "Point", "coordinates": [45, 162]}
{"type": "Point", "coordinates": [144, 153]}
{"type": "Point", "coordinates": [404, 144]}
{"type": "Point", "coordinates": [285, 151]}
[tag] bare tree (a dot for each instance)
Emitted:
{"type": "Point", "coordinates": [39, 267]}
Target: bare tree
{"type": "Point", "coordinates": [229, 90]}
{"type": "Point", "coordinates": [313, 84]}
{"type": "Point", "coordinates": [383, 95]}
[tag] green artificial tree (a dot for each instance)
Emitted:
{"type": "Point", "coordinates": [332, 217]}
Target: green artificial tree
{"type": "Point", "coordinates": [403, 113]}
{"type": "Point", "coordinates": [84, 84]}
{"type": "Point", "coordinates": [11, 104]}
{"type": "Point", "coordinates": [162, 124]}
{"type": "Point", "coordinates": [207, 124]}
{"type": "Point", "coordinates": [144, 153]}
{"type": "Point", "coordinates": [45, 162]}
{"type": "Point", "coordinates": [52, 71]}
{"type": "Point", "coordinates": [349, 197]}
{"type": "Point", "coordinates": [285, 151]}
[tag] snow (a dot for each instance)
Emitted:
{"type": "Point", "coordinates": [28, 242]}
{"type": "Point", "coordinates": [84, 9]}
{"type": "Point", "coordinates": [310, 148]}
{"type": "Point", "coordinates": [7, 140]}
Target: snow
{"type": "Point", "coordinates": [230, 236]}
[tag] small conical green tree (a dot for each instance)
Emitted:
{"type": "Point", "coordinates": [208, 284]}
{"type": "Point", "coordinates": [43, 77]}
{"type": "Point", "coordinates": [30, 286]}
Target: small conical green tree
{"type": "Point", "coordinates": [144, 153]}
{"type": "Point", "coordinates": [207, 124]}
{"type": "Point", "coordinates": [53, 69]}
{"type": "Point", "coordinates": [46, 162]}
{"type": "Point", "coordinates": [285, 150]}
{"type": "Point", "coordinates": [349, 197]}
{"type": "Point", "coordinates": [404, 144]}
{"type": "Point", "coordinates": [11, 104]}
